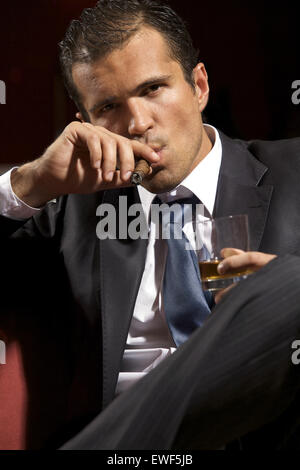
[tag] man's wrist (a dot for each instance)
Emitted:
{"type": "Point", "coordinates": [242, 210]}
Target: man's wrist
{"type": "Point", "coordinates": [24, 184]}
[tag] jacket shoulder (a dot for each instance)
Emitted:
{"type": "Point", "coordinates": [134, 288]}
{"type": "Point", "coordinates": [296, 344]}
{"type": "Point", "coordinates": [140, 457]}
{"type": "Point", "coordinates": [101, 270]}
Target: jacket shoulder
{"type": "Point", "coordinates": [284, 151]}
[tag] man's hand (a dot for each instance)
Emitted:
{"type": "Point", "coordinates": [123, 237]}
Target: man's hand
{"type": "Point", "coordinates": [83, 159]}
{"type": "Point", "coordinates": [238, 260]}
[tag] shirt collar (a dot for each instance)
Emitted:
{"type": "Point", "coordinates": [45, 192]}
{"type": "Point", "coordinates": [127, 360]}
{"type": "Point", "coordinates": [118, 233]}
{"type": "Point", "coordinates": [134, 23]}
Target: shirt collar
{"type": "Point", "coordinates": [202, 181]}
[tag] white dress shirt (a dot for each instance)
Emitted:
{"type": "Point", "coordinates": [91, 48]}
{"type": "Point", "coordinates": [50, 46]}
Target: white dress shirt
{"type": "Point", "coordinates": [149, 340]}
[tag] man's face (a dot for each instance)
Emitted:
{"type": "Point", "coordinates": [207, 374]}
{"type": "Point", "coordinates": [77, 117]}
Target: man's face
{"type": "Point", "coordinates": [140, 92]}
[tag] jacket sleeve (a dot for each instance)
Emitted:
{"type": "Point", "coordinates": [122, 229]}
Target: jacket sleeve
{"type": "Point", "coordinates": [46, 224]}
{"type": "Point", "coordinates": [31, 263]}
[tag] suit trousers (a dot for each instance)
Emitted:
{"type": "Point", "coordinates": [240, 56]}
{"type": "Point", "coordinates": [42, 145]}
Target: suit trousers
{"type": "Point", "coordinates": [234, 378]}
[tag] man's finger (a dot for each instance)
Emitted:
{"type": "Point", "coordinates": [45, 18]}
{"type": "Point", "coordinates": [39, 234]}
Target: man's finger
{"type": "Point", "coordinates": [225, 252]}
{"type": "Point", "coordinates": [139, 149]}
{"type": "Point", "coordinates": [144, 151]}
{"type": "Point", "coordinates": [247, 260]}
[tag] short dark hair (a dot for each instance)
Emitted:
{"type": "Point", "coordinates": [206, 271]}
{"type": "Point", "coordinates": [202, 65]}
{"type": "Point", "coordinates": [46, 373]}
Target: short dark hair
{"type": "Point", "coordinates": [111, 23]}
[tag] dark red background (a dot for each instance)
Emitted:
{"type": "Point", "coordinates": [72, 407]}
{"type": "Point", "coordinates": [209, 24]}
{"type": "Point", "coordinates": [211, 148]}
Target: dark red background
{"type": "Point", "coordinates": [250, 52]}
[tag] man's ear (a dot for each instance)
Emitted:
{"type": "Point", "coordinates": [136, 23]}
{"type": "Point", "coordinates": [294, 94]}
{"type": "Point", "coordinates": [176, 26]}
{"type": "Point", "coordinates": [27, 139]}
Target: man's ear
{"type": "Point", "coordinates": [79, 116]}
{"type": "Point", "coordinates": [201, 85]}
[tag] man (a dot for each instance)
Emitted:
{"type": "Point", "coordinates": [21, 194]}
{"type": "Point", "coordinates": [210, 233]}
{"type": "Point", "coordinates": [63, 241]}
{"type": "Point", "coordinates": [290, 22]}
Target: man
{"type": "Point", "coordinates": [132, 70]}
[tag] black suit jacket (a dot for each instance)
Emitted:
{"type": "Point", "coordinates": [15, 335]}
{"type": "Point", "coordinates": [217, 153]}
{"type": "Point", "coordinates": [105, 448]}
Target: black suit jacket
{"type": "Point", "coordinates": [85, 289]}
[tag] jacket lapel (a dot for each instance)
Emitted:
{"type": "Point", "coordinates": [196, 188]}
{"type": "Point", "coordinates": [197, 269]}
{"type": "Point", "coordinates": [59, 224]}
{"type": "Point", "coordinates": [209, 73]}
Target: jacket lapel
{"type": "Point", "coordinates": [240, 190]}
{"type": "Point", "coordinates": [121, 268]}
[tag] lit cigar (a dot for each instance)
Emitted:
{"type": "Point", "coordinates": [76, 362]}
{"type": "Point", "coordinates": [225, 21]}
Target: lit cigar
{"type": "Point", "coordinates": [141, 170]}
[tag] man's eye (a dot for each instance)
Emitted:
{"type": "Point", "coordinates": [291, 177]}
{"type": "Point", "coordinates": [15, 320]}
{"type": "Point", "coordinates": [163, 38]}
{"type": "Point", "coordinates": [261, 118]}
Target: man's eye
{"type": "Point", "coordinates": [107, 108]}
{"type": "Point", "coordinates": [153, 88]}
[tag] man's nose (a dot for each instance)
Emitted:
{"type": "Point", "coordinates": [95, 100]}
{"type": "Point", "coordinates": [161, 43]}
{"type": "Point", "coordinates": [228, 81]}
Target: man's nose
{"type": "Point", "coordinates": [140, 119]}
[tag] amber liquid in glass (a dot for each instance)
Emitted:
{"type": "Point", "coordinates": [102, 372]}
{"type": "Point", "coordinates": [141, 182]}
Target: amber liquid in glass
{"type": "Point", "coordinates": [208, 270]}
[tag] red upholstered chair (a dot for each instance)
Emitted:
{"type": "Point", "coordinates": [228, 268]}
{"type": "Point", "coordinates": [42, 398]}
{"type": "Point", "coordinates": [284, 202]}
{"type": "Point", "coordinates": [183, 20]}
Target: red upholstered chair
{"type": "Point", "coordinates": [13, 398]}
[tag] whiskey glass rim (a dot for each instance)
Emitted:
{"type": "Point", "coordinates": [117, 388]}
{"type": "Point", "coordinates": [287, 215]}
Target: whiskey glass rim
{"type": "Point", "coordinates": [213, 219]}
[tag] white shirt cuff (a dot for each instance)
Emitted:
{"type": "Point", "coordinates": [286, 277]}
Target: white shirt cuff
{"type": "Point", "coordinates": [10, 205]}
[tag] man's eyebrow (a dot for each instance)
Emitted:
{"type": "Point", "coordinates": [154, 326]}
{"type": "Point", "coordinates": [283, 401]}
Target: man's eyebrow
{"type": "Point", "coordinates": [152, 81]}
{"type": "Point", "coordinates": [145, 84]}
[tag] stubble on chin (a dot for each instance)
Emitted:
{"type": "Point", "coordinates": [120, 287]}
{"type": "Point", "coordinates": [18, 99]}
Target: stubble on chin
{"type": "Point", "coordinates": [161, 181]}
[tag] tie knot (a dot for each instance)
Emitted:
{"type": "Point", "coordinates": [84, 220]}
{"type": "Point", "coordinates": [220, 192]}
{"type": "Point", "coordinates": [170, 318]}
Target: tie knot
{"type": "Point", "coordinates": [193, 200]}
{"type": "Point", "coordinates": [179, 212]}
